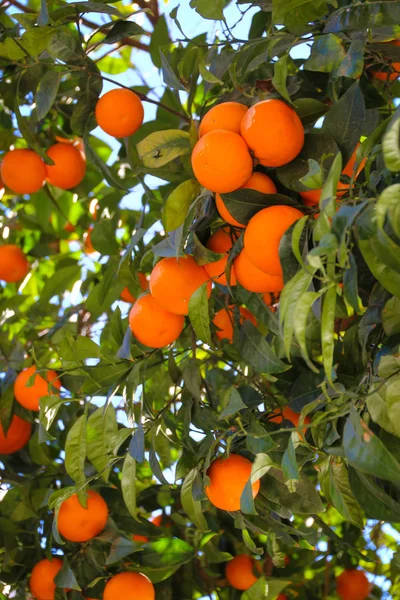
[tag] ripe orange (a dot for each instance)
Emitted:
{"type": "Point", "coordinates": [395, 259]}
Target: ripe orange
{"type": "Point", "coordinates": [29, 397]}
{"type": "Point", "coordinates": [221, 161]}
{"type": "Point", "coordinates": [253, 279]}
{"type": "Point", "coordinates": [119, 112]}
{"type": "Point", "coordinates": [268, 299]}
{"type": "Point", "coordinates": [240, 572]}
{"type": "Point", "coordinates": [41, 583]}
{"type": "Point", "coordinates": [228, 478]}
{"type": "Point", "coordinates": [273, 131]}
{"type": "Point", "coordinates": [79, 524]}
{"type": "Point", "coordinates": [152, 325]}
{"type": "Point", "coordinates": [257, 181]}
{"type": "Point", "coordinates": [289, 415]}
{"type": "Point", "coordinates": [23, 171]}
{"type": "Point", "coordinates": [173, 281]}
{"type": "Point", "coordinates": [16, 437]}
{"type": "Point", "coordinates": [69, 167]}
{"type": "Point", "coordinates": [224, 320]}
{"type": "Point", "coordinates": [226, 116]}
{"type": "Point", "coordinates": [126, 296]}
{"type": "Point", "coordinates": [220, 241]}
{"type": "Point", "coordinates": [353, 585]}
{"type": "Point", "coordinates": [263, 234]}
{"type": "Point", "coordinates": [157, 521]}
{"type": "Point", "coordinates": [311, 197]}
{"type": "Point", "coordinates": [13, 263]}
{"type": "Point", "coordinates": [129, 586]}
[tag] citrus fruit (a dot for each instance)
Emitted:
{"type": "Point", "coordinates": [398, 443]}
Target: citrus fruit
{"type": "Point", "coordinates": [268, 299]}
{"type": "Point", "coordinates": [288, 414]}
{"type": "Point", "coordinates": [173, 281]}
{"type": "Point", "coordinates": [129, 586]}
{"type": "Point", "coordinates": [254, 280]}
{"type": "Point", "coordinates": [263, 234]}
{"type": "Point", "coordinates": [257, 181]}
{"type": "Point", "coordinates": [29, 397]}
{"type": "Point", "coordinates": [41, 583]}
{"type": "Point", "coordinates": [226, 116]}
{"type": "Point", "coordinates": [273, 131]}
{"type": "Point", "coordinates": [152, 325]}
{"type": "Point", "coordinates": [228, 478]}
{"type": "Point", "coordinates": [157, 521]}
{"type": "Point", "coordinates": [79, 524]}
{"type": "Point", "coordinates": [119, 112]}
{"type": "Point", "coordinates": [126, 295]}
{"type": "Point", "coordinates": [23, 171]}
{"type": "Point", "coordinates": [221, 242]}
{"type": "Point", "coordinates": [225, 318]}
{"type": "Point", "coordinates": [311, 197]}
{"type": "Point", "coordinates": [16, 437]}
{"type": "Point", "coordinates": [240, 572]}
{"type": "Point", "coordinates": [221, 161]}
{"type": "Point", "coordinates": [87, 242]}
{"type": "Point", "coordinates": [13, 263]}
{"type": "Point", "coordinates": [69, 167]}
{"type": "Point", "coordinates": [353, 584]}
{"type": "Point", "coordinates": [348, 170]}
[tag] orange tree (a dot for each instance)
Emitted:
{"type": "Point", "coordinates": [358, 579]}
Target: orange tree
{"type": "Point", "coordinates": [225, 352]}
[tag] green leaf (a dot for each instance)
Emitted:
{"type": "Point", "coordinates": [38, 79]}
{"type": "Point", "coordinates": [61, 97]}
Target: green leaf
{"type": "Point", "coordinates": [372, 498]}
{"type": "Point", "coordinates": [120, 549]}
{"type": "Point", "coordinates": [289, 464]}
{"type": "Point", "coordinates": [128, 484]}
{"type": "Point", "coordinates": [75, 451]}
{"type": "Point", "coordinates": [46, 92]}
{"type": "Point", "coordinates": [280, 77]}
{"type": "Point", "coordinates": [161, 558]}
{"type": "Point", "coordinates": [177, 205]}
{"type": "Point", "coordinates": [65, 577]}
{"type": "Point", "coordinates": [388, 205]}
{"type": "Point", "coordinates": [302, 311]}
{"type": "Point", "coordinates": [309, 109]}
{"type": "Point", "coordinates": [303, 500]}
{"type": "Point", "coordinates": [391, 316]}
{"type": "Point", "coordinates": [49, 407]}
{"type": "Point", "coordinates": [256, 351]}
{"type": "Point", "coordinates": [109, 176]}
{"type": "Point", "coordinates": [290, 295]}
{"type": "Point", "coordinates": [43, 18]}
{"type": "Point", "coordinates": [341, 494]}
{"type": "Point", "coordinates": [353, 64]}
{"type": "Point", "coordinates": [391, 144]}
{"type": "Point", "coordinates": [345, 121]}
{"type": "Point", "coordinates": [208, 76]}
{"type": "Point", "coordinates": [244, 203]}
{"type": "Point", "coordinates": [64, 45]}
{"type": "Point", "coordinates": [327, 53]}
{"type": "Point", "coordinates": [199, 314]}
{"type": "Point", "coordinates": [62, 280]}
{"type": "Point", "coordinates": [209, 9]}
{"type": "Point", "coordinates": [256, 305]}
{"type": "Point", "coordinates": [170, 78]}
{"type": "Point", "coordinates": [328, 331]}
{"type": "Point", "coordinates": [121, 30]}
{"type": "Point", "coordinates": [100, 428]}
{"type": "Point", "coordinates": [265, 588]}
{"type": "Point", "coordinates": [103, 239]}
{"type": "Point", "coordinates": [262, 465]}
{"type": "Point", "coordinates": [160, 147]}
{"type": "Point", "coordinates": [136, 445]}
{"type": "Point", "coordinates": [98, 7]}
{"type": "Point", "coordinates": [191, 506]}
{"type": "Point", "coordinates": [366, 452]}
{"type": "Point", "coordinates": [360, 16]}
{"type": "Point", "coordinates": [235, 404]}
{"type": "Point", "coordinates": [314, 179]}
{"type": "Point", "coordinates": [159, 38]}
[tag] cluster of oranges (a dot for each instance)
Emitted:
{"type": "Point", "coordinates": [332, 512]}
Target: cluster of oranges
{"type": "Point", "coordinates": [19, 430]}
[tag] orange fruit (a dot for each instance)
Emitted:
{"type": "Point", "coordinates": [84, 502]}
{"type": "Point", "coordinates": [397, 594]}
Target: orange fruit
{"type": "Point", "coordinates": [263, 234]}
{"type": "Point", "coordinates": [267, 297]}
{"type": "Point", "coordinates": [257, 181]}
{"type": "Point", "coordinates": [253, 279]}
{"type": "Point", "coordinates": [289, 415]}
{"type": "Point", "coordinates": [282, 597]}
{"type": "Point", "coordinates": [220, 241]}
{"type": "Point", "coordinates": [311, 197]}
{"type": "Point", "coordinates": [16, 437]}
{"type": "Point", "coordinates": [23, 171]}
{"type": "Point", "coordinates": [29, 397]}
{"type": "Point", "coordinates": [69, 227]}
{"type": "Point", "coordinates": [69, 167]}
{"type": "Point", "coordinates": [353, 585]}
{"type": "Point", "coordinates": [228, 478]}
{"type": "Point", "coordinates": [240, 572]}
{"type": "Point", "coordinates": [226, 116]}
{"type": "Point", "coordinates": [87, 242]}
{"type": "Point", "coordinates": [225, 318]}
{"type": "Point", "coordinates": [273, 131]}
{"type": "Point", "coordinates": [221, 161]}
{"type": "Point", "coordinates": [79, 524]}
{"type": "Point", "coordinates": [173, 281]}
{"type": "Point", "coordinates": [157, 521]}
{"type": "Point", "coordinates": [152, 325]}
{"type": "Point", "coordinates": [126, 296]}
{"type": "Point", "coordinates": [119, 112]}
{"type": "Point", "coordinates": [13, 263]}
{"type": "Point", "coordinates": [129, 586]}
{"type": "Point", "coordinates": [41, 583]}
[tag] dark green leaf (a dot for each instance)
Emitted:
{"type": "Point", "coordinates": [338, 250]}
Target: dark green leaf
{"type": "Point", "coordinates": [191, 506]}
{"type": "Point", "coordinates": [327, 53]}
{"type": "Point", "coordinates": [65, 577]}
{"type": "Point", "coordinates": [235, 404]}
{"type": "Point", "coordinates": [199, 313]}
{"type": "Point", "coordinates": [280, 76]}
{"type": "Point", "coordinates": [256, 351]}
{"type": "Point", "coordinates": [100, 428]}
{"type": "Point", "coordinates": [75, 451]}
{"type": "Point", "coordinates": [128, 484]}
{"type": "Point", "coordinates": [46, 92]}
{"type": "Point", "coordinates": [121, 30]}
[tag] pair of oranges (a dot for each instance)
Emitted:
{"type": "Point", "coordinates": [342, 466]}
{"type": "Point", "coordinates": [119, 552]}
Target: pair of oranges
{"type": "Point", "coordinates": [19, 431]}
{"type": "Point", "coordinates": [128, 585]}
{"type": "Point", "coordinates": [24, 172]}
